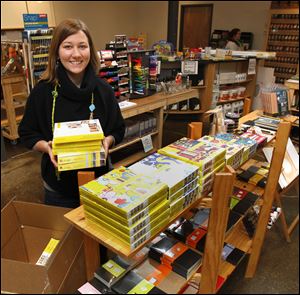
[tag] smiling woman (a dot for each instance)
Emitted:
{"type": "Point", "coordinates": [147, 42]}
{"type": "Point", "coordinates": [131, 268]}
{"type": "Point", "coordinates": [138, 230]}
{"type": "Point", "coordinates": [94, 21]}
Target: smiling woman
{"type": "Point", "coordinates": [69, 90]}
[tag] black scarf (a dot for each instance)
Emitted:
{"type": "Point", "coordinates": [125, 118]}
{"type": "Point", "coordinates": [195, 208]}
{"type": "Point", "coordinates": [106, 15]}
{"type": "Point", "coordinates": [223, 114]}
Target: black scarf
{"type": "Point", "coordinates": [70, 90]}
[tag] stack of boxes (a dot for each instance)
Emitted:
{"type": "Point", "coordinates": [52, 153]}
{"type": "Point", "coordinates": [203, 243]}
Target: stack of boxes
{"type": "Point", "coordinates": [209, 158]}
{"type": "Point", "coordinates": [131, 207]}
{"type": "Point", "coordinates": [249, 145]}
{"type": "Point", "coordinates": [78, 144]}
{"type": "Point", "coordinates": [234, 153]}
{"type": "Point", "coordinates": [181, 178]}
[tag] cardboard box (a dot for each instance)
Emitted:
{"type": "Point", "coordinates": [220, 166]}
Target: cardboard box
{"type": "Point", "coordinates": [26, 229]}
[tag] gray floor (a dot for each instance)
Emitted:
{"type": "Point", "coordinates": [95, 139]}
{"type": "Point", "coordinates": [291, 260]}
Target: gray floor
{"type": "Point", "coordinates": [278, 268]}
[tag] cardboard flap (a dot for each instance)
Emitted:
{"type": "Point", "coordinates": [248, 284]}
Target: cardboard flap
{"type": "Point", "coordinates": [65, 253]}
{"type": "Point", "coordinates": [41, 215]}
{"type": "Point", "coordinates": [9, 223]}
{"type": "Point", "coordinates": [15, 249]}
{"type": "Point", "coordinates": [36, 239]}
{"type": "Point", "coordinates": [76, 276]}
{"type": "Point", "coordinates": [17, 277]}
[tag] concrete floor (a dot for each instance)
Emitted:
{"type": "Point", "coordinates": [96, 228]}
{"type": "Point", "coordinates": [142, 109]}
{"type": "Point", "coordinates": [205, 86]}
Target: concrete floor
{"type": "Point", "coordinates": [278, 268]}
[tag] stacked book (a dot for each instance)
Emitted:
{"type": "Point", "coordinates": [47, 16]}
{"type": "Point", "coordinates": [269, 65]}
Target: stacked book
{"type": "Point", "coordinates": [176, 256]}
{"type": "Point", "coordinates": [249, 145]}
{"type": "Point", "coordinates": [131, 207]}
{"type": "Point", "coordinates": [117, 267]}
{"type": "Point", "coordinates": [78, 144]}
{"type": "Point", "coordinates": [181, 178]}
{"type": "Point", "coordinates": [132, 283]}
{"type": "Point", "coordinates": [267, 123]}
{"type": "Point", "coordinates": [234, 152]}
{"type": "Point", "coordinates": [209, 158]}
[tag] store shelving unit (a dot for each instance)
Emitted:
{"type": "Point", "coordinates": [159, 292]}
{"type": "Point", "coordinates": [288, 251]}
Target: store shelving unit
{"type": "Point", "coordinates": [283, 38]}
{"type": "Point", "coordinates": [212, 265]}
{"type": "Point", "coordinates": [36, 52]}
{"type": "Point", "coordinates": [154, 104]}
{"type": "Point", "coordinates": [14, 99]}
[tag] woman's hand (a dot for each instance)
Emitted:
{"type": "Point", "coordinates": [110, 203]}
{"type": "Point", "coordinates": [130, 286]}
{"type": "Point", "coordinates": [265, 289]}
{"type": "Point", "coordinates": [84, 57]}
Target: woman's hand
{"type": "Point", "coordinates": [45, 147]}
{"type": "Point", "coordinates": [50, 153]}
{"type": "Point", "coordinates": [107, 143]}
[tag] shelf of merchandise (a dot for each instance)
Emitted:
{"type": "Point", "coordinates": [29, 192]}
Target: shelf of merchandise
{"type": "Point", "coordinates": [101, 235]}
{"type": "Point", "coordinates": [230, 100]}
{"type": "Point", "coordinates": [183, 112]}
{"type": "Point", "coordinates": [238, 82]}
{"type": "Point", "coordinates": [36, 52]}
{"type": "Point", "coordinates": [212, 265]}
{"type": "Point", "coordinates": [283, 23]}
{"type": "Point", "coordinates": [280, 64]}
{"type": "Point", "coordinates": [155, 104]}
{"type": "Point", "coordinates": [282, 20]}
{"type": "Point", "coordinates": [283, 43]}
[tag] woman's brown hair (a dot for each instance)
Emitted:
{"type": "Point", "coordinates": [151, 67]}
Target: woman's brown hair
{"type": "Point", "coordinates": [65, 29]}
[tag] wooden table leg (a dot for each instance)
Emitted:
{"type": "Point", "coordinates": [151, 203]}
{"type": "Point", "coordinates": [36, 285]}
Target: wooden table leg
{"type": "Point", "coordinates": [92, 256]}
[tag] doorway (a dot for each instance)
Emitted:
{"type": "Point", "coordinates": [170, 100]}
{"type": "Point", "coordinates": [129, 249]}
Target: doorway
{"type": "Point", "coordinates": [195, 25]}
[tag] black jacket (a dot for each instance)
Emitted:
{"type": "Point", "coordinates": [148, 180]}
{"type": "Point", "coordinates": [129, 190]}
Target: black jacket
{"type": "Point", "coordinates": [72, 104]}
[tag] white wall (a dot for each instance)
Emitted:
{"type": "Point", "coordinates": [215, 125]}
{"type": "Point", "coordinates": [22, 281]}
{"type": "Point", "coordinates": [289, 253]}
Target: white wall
{"type": "Point", "coordinates": [108, 18]}
{"type": "Point", "coordinates": [249, 16]}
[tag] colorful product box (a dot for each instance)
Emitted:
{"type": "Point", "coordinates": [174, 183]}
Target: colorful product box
{"type": "Point", "coordinates": [202, 154]}
{"type": "Point", "coordinates": [175, 173]}
{"type": "Point", "coordinates": [127, 198]}
{"type": "Point", "coordinates": [129, 230]}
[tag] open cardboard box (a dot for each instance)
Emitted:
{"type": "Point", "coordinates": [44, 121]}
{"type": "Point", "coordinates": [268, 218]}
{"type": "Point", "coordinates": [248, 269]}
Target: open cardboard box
{"type": "Point", "coordinates": [26, 229]}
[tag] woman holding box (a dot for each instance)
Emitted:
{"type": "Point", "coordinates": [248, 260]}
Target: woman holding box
{"type": "Point", "coordinates": [69, 90]}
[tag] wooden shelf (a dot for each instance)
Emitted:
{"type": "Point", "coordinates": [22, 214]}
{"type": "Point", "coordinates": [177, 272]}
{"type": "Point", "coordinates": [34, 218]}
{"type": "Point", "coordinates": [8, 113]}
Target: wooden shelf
{"type": "Point", "coordinates": [183, 112]}
{"type": "Point", "coordinates": [230, 100]}
{"type": "Point", "coordinates": [280, 64]}
{"type": "Point", "coordinates": [284, 32]}
{"type": "Point", "coordinates": [16, 105]}
{"type": "Point", "coordinates": [287, 54]}
{"type": "Point", "coordinates": [283, 43]}
{"type": "Point", "coordinates": [121, 146]}
{"type": "Point", "coordinates": [4, 122]}
{"type": "Point", "coordinates": [199, 87]}
{"type": "Point", "coordinates": [240, 82]}
{"type": "Point", "coordinates": [104, 237]}
{"type": "Point", "coordinates": [283, 75]}
{"type": "Point", "coordinates": [284, 21]}
{"type": "Point", "coordinates": [239, 238]}
{"type": "Point", "coordinates": [294, 110]}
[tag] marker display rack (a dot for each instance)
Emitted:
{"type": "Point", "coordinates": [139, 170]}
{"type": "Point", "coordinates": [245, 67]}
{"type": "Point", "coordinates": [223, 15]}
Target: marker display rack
{"type": "Point", "coordinates": [142, 73]}
{"type": "Point", "coordinates": [283, 38]}
{"type": "Point", "coordinates": [120, 58]}
{"type": "Point", "coordinates": [36, 52]}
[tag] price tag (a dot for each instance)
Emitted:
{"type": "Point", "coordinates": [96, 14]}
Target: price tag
{"type": "Point", "coordinates": [252, 66]}
{"type": "Point", "coordinates": [158, 67]}
{"type": "Point", "coordinates": [147, 143]}
{"type": "Point", "coordinates": [189, 67]}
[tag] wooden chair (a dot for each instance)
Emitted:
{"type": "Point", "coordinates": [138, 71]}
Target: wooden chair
{"type": "Point", "coordinates": [194, 130]}
{"type": "Point", "coordinates": [247, 106]}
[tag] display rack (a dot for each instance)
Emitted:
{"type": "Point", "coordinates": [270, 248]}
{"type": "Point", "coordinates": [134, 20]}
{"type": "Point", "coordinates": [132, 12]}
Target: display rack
{"type": "Point", "coordinates": [36, 53]}
{"type": "Point", "coordinates": [15, 95]}
{"type": "Point", "coordinates": [212, 265]}
{"type": "Point", "coordinates": [283, 38]}
{"type": "Point", "coordinates": [207, 94]}
{"type": "Point", "coordinates": [142, 73]}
